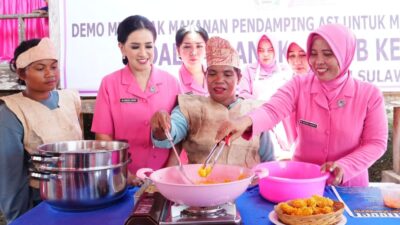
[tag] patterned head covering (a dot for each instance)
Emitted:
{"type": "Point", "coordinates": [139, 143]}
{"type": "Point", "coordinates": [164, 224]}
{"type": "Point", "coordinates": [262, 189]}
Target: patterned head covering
{"type": "Point", "coordinates": [220, 52]}
{"type": "Point", "coordinates": [44, 50]}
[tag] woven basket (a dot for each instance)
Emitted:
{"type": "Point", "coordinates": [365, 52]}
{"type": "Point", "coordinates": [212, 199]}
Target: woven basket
{"type": "Point", "coordinates": [320, 219]}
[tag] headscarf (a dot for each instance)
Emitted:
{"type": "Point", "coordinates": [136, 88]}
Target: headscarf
{"type": "Point", "coordinates": [301, 43]}
{"type": "Point", "coordinates": [44, 50]}
{"type": "Point", "coordinates": [220, 52]}
{"type": "Point", "coordinates": [343, 44]}
{"type": "Point", "coordinates": [272, 67]}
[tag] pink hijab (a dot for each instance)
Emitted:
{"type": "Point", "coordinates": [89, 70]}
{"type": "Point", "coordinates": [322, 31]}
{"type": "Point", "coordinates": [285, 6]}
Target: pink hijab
{"type": "Point", "coordinates": [343, 44]}
{"type": "Point", "coordinates": [302, 45]}
{"type": "Point", "coordinates": [272, 67]}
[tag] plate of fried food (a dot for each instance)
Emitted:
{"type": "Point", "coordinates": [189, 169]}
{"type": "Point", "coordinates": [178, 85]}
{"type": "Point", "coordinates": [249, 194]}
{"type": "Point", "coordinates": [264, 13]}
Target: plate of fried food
{"type": "Point", "coordinates": [316, 210]}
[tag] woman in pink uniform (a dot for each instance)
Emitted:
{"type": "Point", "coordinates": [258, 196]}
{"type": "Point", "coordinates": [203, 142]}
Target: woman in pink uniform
{"type": "Point", "coordinates": [296, 57]}
{"type": "Point", "coordinates": [128, 97]}
{"type": "Point", "coordinates": [260, 81]}
{"type": "Point", "coordinates": [341, 121]}
{"type": "Point", "coordinates": [190, 43]}
{"type": "Point", "coordinates": [191, 46]}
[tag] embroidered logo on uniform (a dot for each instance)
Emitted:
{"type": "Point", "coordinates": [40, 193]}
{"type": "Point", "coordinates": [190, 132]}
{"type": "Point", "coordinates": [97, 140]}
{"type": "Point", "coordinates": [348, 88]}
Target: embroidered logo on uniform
{"type": "Point", "coordinates": [128, 100]}
{"type": "Point", "coordinates": [308, 123]}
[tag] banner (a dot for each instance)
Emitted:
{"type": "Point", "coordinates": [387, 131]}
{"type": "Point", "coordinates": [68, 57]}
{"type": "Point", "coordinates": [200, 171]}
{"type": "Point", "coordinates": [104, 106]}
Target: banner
{"type": "Point", "coordinates": [89, 48]}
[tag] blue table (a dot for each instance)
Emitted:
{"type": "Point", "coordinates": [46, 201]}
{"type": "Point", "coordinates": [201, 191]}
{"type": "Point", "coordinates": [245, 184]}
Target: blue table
{"type": "Point", "coordinates": [253, 208]}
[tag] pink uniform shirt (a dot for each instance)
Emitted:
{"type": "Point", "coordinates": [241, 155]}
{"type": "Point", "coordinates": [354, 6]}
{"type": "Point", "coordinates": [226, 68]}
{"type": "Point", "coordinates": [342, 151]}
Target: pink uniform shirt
{"type": "Point", "coordinates": [189, 85]}
{"type": "Point", "coordinates": [123, 111]}
{"type": "Point", "coordinates": [352, 130]}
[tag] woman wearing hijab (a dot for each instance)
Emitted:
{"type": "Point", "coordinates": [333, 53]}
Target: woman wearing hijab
{"type": "Point", "coordinates": [296, 57]}
{"type": "Point", "coordinates": [341, 121]}
{"type": "Point", "coordinates": [260, 81]}
{"type": "Point", "coordinates": [37, 115]}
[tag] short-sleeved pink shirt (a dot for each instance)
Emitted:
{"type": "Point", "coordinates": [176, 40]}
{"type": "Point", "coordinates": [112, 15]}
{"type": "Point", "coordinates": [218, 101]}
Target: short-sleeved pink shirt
{"type": "Point", "coordinates": [123, 111]}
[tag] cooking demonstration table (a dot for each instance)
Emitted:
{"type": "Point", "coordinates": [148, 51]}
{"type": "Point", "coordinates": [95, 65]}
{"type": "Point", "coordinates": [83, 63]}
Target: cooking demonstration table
{"type": "Point", "coordinates": [253, 208]}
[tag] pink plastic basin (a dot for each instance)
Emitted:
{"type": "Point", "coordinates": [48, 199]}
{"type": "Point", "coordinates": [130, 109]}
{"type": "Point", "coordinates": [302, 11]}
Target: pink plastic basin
{"type": "Point", "coordinates": [285, 180]}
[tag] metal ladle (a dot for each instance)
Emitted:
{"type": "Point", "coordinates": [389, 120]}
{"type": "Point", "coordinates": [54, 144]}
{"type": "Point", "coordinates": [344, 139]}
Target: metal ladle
{"type": "Point", "coordinates": [181, 169]}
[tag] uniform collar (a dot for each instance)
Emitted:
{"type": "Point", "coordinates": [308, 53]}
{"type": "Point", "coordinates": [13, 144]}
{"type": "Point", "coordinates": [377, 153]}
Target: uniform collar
{"type": "Point", "coordinates": [153, 85]}
{"type": "Point", "coordinates": [348, 88]}
{"type": "Point", "coordinates": [347, 92]}
{"type": "Point", "coordinates": [187, 80]}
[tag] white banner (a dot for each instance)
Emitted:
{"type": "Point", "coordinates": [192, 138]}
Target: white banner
{"type": "Point", "coordinates": [89, 48]}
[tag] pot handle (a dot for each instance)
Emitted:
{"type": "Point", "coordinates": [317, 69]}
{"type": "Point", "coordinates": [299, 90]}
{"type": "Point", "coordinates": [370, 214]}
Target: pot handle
{"type": "Point", "coordinates": [43, 158]}
{"type": "Point", "coordinates": [44, 175]}
{"type": "Point", "coordinates": [144, 173]}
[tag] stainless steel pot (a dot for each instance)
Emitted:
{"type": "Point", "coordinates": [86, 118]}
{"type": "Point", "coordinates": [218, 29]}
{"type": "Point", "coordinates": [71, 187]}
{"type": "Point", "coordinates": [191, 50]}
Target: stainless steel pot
{"type": "Point", "coordinates": [70, 155]}
{"type": "Point", "coordinates": [81, 175]}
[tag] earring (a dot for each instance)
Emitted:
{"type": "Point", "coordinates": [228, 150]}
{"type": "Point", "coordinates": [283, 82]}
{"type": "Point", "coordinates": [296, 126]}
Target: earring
{"type": "Point", "coordinates": [124, 59]}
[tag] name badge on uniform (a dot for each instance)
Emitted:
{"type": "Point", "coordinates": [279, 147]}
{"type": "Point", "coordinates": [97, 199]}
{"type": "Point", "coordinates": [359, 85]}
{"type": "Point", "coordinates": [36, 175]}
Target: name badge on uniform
{"type": "Point", "coordinates": [128, 100]}
{"type": "Point", "coordinates": [308, 123]}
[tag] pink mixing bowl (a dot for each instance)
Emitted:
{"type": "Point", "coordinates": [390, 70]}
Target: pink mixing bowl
{"type": "Point", "coordinates": [285, 180]}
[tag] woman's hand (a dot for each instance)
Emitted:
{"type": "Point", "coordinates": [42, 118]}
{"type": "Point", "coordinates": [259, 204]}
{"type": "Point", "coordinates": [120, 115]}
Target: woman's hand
{"type": "Point", "coordinates": [233, 127]}
{"type": "Point", "coordinates": [133, 180]}
{"type": "Point", "coordinates": [160, 122]}
{"type": "Point", "coordinates": [336, 173]}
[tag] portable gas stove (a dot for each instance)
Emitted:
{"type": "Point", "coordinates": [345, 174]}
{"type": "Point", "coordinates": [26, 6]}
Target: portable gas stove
{"type": "Point", "coordinates": [153, 208]}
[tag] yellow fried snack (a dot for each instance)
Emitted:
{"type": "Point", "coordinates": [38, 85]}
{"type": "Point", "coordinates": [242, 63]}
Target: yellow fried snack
{"type": "Point", "coordinates": [286, 208]}
{"type": "Point", "coordinates": [298, 203]}
{"type": "Point", "coordinates": [306, 207]}
{"type": "Point", "coordinates": [304, 211]}
{"type": "Point", "coordinates": [204, 171]}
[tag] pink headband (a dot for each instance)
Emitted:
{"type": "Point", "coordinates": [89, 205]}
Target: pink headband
{"type": "Point", "coordinates": [44, 50]}
{"type": "Point", "coordinates": [220, 52]}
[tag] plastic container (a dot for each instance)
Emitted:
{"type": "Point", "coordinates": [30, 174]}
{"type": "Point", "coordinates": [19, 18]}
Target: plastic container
{"type": "Point", "coordinates": [281, 181]}
{"type": "Point", "coordinates": [391, 195]}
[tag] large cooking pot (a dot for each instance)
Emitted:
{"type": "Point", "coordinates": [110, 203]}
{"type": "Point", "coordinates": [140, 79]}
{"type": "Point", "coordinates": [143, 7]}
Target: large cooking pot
{"type": "Point", "coordinates": [81, 175]}
{"type": "Point", "coordinates": [211, 191]}
{"type": "Point", "coordinates": [70, 155]}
